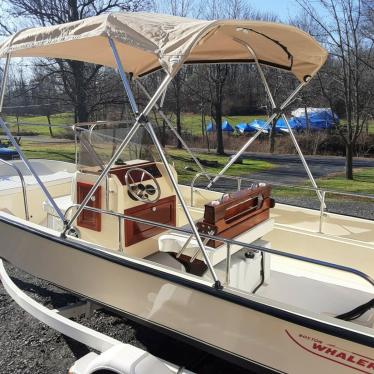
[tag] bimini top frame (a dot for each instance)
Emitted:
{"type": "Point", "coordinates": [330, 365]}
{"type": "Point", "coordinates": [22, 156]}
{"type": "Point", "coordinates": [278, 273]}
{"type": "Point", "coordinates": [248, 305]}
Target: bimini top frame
{"type": "Point", "coordinates": [155, 41]}
{"type": "Point", "coordinates": [138, 45]}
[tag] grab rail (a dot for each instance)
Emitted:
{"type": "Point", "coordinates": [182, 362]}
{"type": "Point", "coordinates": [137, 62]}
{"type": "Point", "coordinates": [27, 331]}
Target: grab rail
{"type": "Point", "coordinates": [23, 185]}
{"type": "Point", "coordinates": [322, 191]}
{"type": "Point", "coordinates": [120, 216]}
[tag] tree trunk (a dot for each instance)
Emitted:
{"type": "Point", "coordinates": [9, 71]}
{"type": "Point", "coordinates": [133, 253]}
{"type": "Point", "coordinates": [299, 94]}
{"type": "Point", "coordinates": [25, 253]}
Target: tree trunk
{"type": "Point", "coordinates": [81, 107]}
{"type": "Point", "coordinates": [49, 125]}
{"type": "Point", "coordinates": [307, 123]}
{"type": "Point", "coordinates": [272, 137]}
{"type": "Point", "coordinates": [218, 121]}
{"type": "Point", "coordinates": [163, 135]}
{"type": "Point", "coordinates": [349, 161]}
{"type": "Point", "coordinates": [17, 116]}
{"type": "Point", "coordinates": [179, 127]}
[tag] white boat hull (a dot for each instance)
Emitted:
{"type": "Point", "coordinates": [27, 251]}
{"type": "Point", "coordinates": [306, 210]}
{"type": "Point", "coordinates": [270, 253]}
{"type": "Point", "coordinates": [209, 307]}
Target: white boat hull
{"type": "Point", "coordinates": [243, 328]}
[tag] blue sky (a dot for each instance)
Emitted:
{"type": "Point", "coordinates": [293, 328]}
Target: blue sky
{"type": "Point", "coordinates": [283, 8]}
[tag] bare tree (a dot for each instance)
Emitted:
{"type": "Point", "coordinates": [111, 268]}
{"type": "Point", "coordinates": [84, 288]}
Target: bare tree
{"type": "Point", "coordinates": [216, 76]}
{"type": "Point", "coordinates": [346, 74]}
{"type": "Point", "coordinates": [77, 77]}
{"type": "Point", "coordinates": [181, 8]}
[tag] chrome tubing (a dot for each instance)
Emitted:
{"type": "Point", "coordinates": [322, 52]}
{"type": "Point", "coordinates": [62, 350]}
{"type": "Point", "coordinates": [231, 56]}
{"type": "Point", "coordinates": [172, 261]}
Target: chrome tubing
{"type": "Point", "coordinates": [261, 72]}
{"type": "Point", "coordinates": [306, 188]}
{"type": "Point", "coordinates": [242, 150]}
{"type": "Point", "coordinates": [302, 158]}
{"type": "Point", "coordinates": [183, 203]}
{"type": "Point", "coordinates": [172, 128]}
{"type": "Point", "coordinates": [254, 137]}
{"type": "Point", "coordinates": [228, 263]}
{"type": "Point", "coordinates": [322, 211]}
{"type": "Point", "coordinates": [254, 247]}
{"type": "Point", "coordinates": [4, 81]}
{"type": "Point", "coordinates": [31, 169]}
{"type": "Point", "coordinates": [274, 106]}
{"type": "Point", "coordinates": [23, 185]}
{"type": "Point", "coordinates": [120, 149]}
{"type": "Point", "coordinates": [122, 73]}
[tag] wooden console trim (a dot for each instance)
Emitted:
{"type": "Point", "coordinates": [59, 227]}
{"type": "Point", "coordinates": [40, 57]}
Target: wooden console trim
{"type": "Point", "coordinates": [163, 211]}
{"type": "Point", "coordinates": [121, 170]}
{"type": "Point", "coordinates": [88, 219]}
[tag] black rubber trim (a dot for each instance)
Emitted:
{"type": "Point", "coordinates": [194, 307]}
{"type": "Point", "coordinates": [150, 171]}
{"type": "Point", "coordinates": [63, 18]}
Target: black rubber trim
{"type": "Point", "coordinates": [285, 315]}
{"type": "Point", "coordinates": [224, 61]}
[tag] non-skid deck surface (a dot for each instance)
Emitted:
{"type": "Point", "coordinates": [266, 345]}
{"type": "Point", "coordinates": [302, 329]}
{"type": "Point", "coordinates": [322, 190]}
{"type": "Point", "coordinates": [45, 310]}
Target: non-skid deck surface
{"type": "Point", "coordinates": [316, 288]}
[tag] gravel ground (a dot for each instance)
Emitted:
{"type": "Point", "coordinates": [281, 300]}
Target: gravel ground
{"type": "Point", "coordinates": [29, 346]}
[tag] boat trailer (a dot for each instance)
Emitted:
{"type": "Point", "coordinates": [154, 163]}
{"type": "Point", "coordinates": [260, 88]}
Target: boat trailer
{"type": "Point", "coordinates": [113, 356]}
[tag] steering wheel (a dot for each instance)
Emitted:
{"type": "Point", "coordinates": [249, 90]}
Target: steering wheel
{"type": "Point", "coordinates": [149, 193]}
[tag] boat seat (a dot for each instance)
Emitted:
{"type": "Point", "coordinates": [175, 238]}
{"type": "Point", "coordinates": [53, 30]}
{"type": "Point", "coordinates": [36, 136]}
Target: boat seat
{"type": "Point", "coordinates": [173, 241]}
{"type": "Point", "coordinates": [12, 182]}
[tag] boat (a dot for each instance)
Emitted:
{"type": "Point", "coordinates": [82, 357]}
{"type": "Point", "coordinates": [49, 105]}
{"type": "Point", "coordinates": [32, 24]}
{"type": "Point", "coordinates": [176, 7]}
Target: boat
{"type": "Point", "coordinates": [270, 286]}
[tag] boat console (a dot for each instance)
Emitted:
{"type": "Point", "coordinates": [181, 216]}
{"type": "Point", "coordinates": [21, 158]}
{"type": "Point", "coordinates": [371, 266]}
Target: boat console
{"type": "Point", "coordinates": [137, 188]}
{"type": "Point", "coordinates": [142, 189]}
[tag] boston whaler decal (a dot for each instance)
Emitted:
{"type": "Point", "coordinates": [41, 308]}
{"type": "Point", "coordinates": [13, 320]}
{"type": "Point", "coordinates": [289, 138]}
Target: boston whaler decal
{"type": "Point", "coordinates": [333, 353]}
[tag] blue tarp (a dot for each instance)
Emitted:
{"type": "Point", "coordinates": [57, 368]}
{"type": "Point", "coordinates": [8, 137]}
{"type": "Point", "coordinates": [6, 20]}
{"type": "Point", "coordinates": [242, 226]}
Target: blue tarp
{"type": "Point", "coordinates": [259, 123]}
{"type": "Point", "coordinates": [318, 121]}
{"type": "Point", "coordinates": [281, 126]}
{"type": "Point", "coordinates": [226, 127]}
{"type": "Point", "coordinates": [209, 127]}
{"type": "Point", "coordinates": [244, 128]}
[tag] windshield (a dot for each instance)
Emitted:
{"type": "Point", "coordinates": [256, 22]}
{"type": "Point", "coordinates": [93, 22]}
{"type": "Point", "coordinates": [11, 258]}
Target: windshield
{"type": "Point", "coordinates": [97, 143]}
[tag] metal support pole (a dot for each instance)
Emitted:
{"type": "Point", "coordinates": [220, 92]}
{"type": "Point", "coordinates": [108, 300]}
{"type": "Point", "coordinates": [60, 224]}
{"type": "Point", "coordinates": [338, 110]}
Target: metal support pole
{"type": "Point", "coordinates": [4, 81]}
{"type": "Point", "coordinates": [31, 169]}
{"type": "Point", "coordinates": [183, 203]}
{"type": "Point", "coordinates": [255, 136]}
{"type": "Point", "coordinates": [172, 128]}
{"type": "Point", "coordinates": [120, 227]}
{"type": "Point", "coordinates": [122, 73]}
{"type": "Point", "coordinates": [184, 246]}
{"type": "Point", "coordinates": [23, 185]}
{"type": "Point", "coordinates": [228, 263]}
{"type": "Point", "coordinates": [282, 107]}
{"type": "Point", "coordinates": [302, 158]}
{"type": "Point", "coordinates": [120, 149]}
{"type": "Point", "coordinates": [239, 184]}
{"type": "Point", "coordinates": [322, 211]}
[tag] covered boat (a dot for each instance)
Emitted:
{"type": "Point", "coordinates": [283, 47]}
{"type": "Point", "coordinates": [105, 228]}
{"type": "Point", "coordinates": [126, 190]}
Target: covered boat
{"type": "Point", "coordinates": [244, 128]}
{"type": "Point", "coordinates": [226, 127]}
{"type": "Point", "coordinates": [318, 119]}
{"type": "Point", "coordinates": [276, 288]}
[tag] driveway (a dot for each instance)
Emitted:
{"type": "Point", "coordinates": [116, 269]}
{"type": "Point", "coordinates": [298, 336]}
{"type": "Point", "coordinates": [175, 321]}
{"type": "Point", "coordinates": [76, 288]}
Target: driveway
{"type": "Point", "coordinates": [289, 169]}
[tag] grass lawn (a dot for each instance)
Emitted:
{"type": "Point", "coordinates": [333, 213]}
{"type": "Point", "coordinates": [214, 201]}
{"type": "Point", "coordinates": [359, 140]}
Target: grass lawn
{"type": "Point", "coordinates": [33, 128]}
{"type": "Point", "coordinates": [371, 127]}
{"type": "Point", "coordinates": [363, 183]}
{"type": "Point", "coordinates": [59, 152]}
{"type": "Point", "coordinates": [181, 159]}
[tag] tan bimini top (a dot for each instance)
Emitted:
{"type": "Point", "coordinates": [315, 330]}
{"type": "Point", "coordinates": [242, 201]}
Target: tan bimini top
{"type": "Point", "coordinates": [149, 41]}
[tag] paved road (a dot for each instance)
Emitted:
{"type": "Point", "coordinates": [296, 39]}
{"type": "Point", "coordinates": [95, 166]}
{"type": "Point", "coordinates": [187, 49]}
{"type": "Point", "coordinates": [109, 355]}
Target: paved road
{"type": "Point", "coordinates": [290, 171]}
{"type": "Point", "coordinates": [289, 168]}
